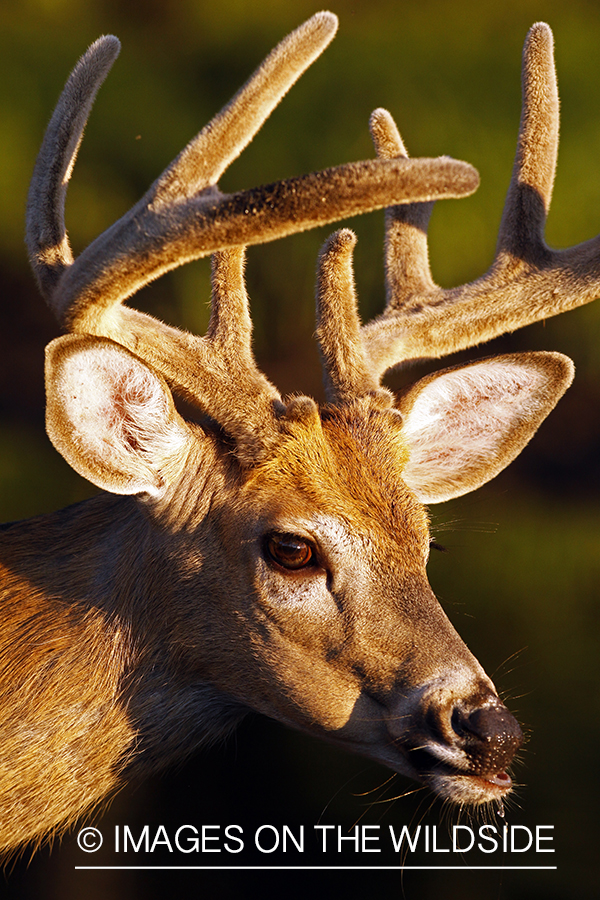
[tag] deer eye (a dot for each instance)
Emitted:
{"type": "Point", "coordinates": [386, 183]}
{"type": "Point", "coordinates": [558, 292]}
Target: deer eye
{"type": "Point", "coordinates": [290, 551]}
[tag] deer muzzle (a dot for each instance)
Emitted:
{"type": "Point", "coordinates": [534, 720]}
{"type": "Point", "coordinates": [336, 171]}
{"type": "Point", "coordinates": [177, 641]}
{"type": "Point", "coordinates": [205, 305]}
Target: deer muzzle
{"type": "Point", "coordinates": [460, 747]}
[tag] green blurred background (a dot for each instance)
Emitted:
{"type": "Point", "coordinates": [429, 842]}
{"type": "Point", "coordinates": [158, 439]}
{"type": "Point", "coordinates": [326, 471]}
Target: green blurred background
{"type": "Point", "coordinates": [521, 579]}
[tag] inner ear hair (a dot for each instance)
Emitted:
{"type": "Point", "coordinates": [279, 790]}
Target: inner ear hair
{"type": "Point", "coordinates": [465, 424]}
{"type": "Point", "coordinates": [112, 417]}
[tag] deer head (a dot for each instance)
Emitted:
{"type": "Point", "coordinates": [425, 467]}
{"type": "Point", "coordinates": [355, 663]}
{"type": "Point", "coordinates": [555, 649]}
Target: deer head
{"type": "Point", "coordinates": [272, 555]}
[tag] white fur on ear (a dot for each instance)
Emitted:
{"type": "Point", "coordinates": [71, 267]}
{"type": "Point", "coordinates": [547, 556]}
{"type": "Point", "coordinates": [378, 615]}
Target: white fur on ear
{"type": "Point", "coordinates": [464, 425]}
{"type": "Point", "coordinates": [111, 416]}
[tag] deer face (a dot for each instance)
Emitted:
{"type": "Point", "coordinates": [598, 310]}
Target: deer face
{"type": "Point", "coordinates": [318, 610]}
{"type": "Point", "coordinates": [341, 622]}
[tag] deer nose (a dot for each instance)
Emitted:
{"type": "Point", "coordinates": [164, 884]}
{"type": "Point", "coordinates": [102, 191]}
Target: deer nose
{"type": "Point", "coordinates": [489, 735]}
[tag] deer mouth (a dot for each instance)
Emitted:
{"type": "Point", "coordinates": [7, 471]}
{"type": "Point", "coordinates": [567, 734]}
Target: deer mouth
{"type": "Point", "coordinates": [458, 784]}
{"type": "Point", "coordinates": [470, 789]}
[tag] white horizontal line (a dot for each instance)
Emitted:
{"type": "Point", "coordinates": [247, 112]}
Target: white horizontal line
{"type": "Point", "coordinates": [322, 868]}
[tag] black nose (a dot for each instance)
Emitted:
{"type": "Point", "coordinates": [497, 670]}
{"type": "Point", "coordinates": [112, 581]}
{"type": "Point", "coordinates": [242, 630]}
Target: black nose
{"type": "Point", "coordinates": [489, 735]}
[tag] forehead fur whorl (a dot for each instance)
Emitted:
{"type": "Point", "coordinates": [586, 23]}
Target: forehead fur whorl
{"type": "Point", "coordinates": [346, 461]}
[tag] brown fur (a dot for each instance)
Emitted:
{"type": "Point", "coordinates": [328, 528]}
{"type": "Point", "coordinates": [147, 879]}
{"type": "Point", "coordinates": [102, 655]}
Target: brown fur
{"type": "Point", "coordinates": [136, 628]}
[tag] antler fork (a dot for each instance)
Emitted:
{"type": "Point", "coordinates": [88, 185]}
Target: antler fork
{"type": "Point", "coordinates": [528, 280]}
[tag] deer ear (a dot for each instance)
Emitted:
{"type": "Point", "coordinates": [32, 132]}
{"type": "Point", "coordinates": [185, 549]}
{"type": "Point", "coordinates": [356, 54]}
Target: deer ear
{"type": "Point", "coordinates": [111, 417]}
{"type": "Point", "coordinates": [464, 425]}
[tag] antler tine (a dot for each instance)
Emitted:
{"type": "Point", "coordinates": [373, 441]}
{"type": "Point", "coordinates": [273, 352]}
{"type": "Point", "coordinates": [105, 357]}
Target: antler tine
{"type": "Point", "coordinates": [527, 281]}
{"type": "Point", "coordinates": [47, 241]}
{"type": "Point", "coordinates": [241, 398]}
{"type": "Point", "coordinates": [530, 192]}
{"type": "Point", "coordinates": [211, 152]}
{"type": "Point", "coordinates": [345, 372]}
{"type": "Point", "coordinates": [406, 254]}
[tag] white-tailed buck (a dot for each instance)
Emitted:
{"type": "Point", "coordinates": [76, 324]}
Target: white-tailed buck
{"type": "Point", "coordinates": [270, 556]}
